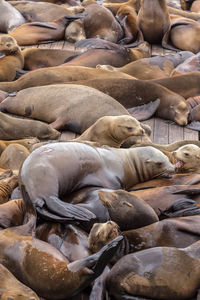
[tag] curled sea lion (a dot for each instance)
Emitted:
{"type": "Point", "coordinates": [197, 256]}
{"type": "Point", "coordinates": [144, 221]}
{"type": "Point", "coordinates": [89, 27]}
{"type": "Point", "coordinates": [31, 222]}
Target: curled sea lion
{"type": "Point", "coordinates": [34, 103]}
{"type": "Point", "coordinates": [25, 128]}
{"type": "Point", "coordinates": [7, 185]}
{"type": "Point", "coordinates": [187, 158]}
{"type": "Point", "coordinates": [11, 288]}
{"type": "Point", "coordinates": [11, 58]}
{"type": "Point", "coordinates": [12, 213]}
{"type": "Point", "coordinates": [10, 17]}
{"type": "Point", "coordinates": [112, 130]}
{"type": "Point", "coordinates": [106, 168]}
{"type": "Point", "coordinates": [148, 274]}
{"type": "Point", "coordinates": [38, 32]}
{"type": "Point", "coordinates": [13, 156]}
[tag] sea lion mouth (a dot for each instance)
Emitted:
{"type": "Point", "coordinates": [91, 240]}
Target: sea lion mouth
{"type": "Point", "coordinates": [2, 55]}
{"type": "Point", "coordinates": [179, 164]}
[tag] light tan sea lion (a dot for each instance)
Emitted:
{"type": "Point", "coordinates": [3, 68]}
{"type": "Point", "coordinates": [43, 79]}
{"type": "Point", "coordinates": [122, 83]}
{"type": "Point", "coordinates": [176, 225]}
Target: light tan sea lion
{"type": "Point", "coordinates": [195, 7]}
{"type": "Point", "coordinates": [10, 17]}
{"type": "Point", "coordinates": [28, 143]}
{"type": "Point", "coordinates": [111, 131]}
{"type": "Point", "coordinates": [11, 288]}
{"type": "Point", "coordinates": [11, 58]}
{"type": "Point", "coordinates": [7, 185]}
{"type": "Point", "coordinates": [13, 156]}
{"type": "Point", "coordinates": [25, 128]}
{"type": "Point", "coordinates": [188, 158]}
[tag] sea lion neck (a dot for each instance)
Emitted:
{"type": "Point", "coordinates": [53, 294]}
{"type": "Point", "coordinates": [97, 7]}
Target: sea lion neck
{"type": "Point", "coordinates": [193, 250]}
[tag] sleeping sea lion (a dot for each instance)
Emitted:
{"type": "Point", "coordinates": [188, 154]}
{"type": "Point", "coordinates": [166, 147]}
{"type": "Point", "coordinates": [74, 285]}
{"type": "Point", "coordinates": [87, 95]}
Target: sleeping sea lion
{"type": "Point", "coordinates": [7, 185]}
{"type": "Point", "coordinates": [106, 168]}
{"type": "Point", "coordinates": [10, 17]}
{"type": "Point", "coordinates": [13, 156]}
{"type": "Point", "coordinates": [192, 64]}
{"type": "Point", "coordinates": [12, 213]}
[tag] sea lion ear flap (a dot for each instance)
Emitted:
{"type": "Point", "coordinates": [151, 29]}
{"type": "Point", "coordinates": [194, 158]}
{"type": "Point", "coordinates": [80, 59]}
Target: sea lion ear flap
{"type": "Point", "coordinates": [148, 160]}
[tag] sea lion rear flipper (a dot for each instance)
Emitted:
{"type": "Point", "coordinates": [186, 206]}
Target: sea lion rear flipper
{"type": "Point", "coordinates": [145, 111]}
{"type": "Point", "coordinates": [194, 125]}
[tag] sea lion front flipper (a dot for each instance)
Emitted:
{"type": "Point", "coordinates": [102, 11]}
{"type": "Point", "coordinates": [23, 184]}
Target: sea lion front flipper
{"type": "Point", "coordinates": [166, 41]}
{"type": "Point", "coordinates": [195, 125]}
{"type": "Point", "coordinates": [41, 24]}
{"type": "Point", "coordinates": [145, 111]}
{"type": "Point", "coordinates": [98, 289]}
{"type": "Point", "coordinates": [62, 123]}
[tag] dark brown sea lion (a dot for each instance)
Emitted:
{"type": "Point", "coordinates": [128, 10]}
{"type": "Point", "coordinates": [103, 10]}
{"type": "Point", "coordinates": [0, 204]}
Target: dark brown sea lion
{"type": "Point", "coordinates": [10, 17]}
{"type": "Point", "coordinates": [188, 158]}
{"type": "Point", "coordinates": [45, 269]}
{"type": "Point", "coordinates": [43, 11]}
{"type": "Point", "coordinates": [11, 58]}
{"type": "Point", "coordinates": [35, 58]}
{"type": "Point", "coordinates": [192, 64]}
{"type": "Point", "coordinates": [153, 20]}
{"type": "Point", "coordinates": [112, 131]}
{"type": "Point", "coordinates": [25, 128]}
{"type": "Point", "coordinates": [148, 274]}
{"type": "Point", "coordinates": [12, 213]}
{"type": "Point", "coordinates": [7, 185]}
{"type": "Point", "coordinates": [106, 168]}
{"type": "Point", "coordinates": [38, 32]}
{"type": "Point", "coordinates": [105, 25]}
{"type": "Point", "coordinates": [68, 107]}
{"type": "Point", "coordinates": [152, 67]}
{"type": "Point", "coordinates": [132, 93]}
{"type": "Point", "coordinates": [11, 288]}
{"type": "Point", "coordinates": [13, 156]}
{"type": "Point", "coordinates": [54, 75]}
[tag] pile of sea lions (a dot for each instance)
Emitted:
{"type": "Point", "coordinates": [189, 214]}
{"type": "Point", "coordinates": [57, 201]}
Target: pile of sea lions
{"type": "Point", "coordinates": [90, 207]}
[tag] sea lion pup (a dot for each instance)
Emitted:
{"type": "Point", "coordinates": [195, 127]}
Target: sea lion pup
{"type": "Point", "coordinates": [35, 58]}
{"type": "Point", "coordinates": [58, 74]}
{"type": "Point", "coordinates": [52, 276]}
{"type": "Point", "coordinates": [10, 17]}
{"type": "Point", "coordinates": [66, 107]}
{"type": "Point", "coordinates": [7, 185]}
{"type": "Point", "coordinates": [151, 67]}
{"type": "Point", "coordinates": [25, 128]}
{"type": "Point", "coordinates": [11, 58]}
{"type": "Point", "coordinates": [128, 277]}
{"type": "Point", "coordinates": [133, 93]}
{"type": "Point", "coordinates": [187, 158]}
{"type": "Point", "coordinates": [38, 32]}
{"type": "Point", "coordinates": [153, 20]}
{"type": "Point", "coordinates": [111, 131]}
{"type": "Point", "coordinates": [43, 11]}
{"type": "Point", "coordinates": [13, 156]}
{"type": "Point", "coordinates": [192, 64]}
{"type": "Point", "coordinates": [105, 25]}
{"type": "Point", "coordinates": [12, 213]}
{"type": "Point", "coordinates": [106, 168]}
{"type": "Point", "coordinates": [11, 288]}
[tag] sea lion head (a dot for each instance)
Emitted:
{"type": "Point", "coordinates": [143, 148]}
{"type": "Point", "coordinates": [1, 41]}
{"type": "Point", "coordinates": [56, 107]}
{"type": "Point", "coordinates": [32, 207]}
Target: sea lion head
{"type": "Point", "coordinates": [75, 31]}
{"type": "Point", "coordinates": [187, 158]}
{"type": "Point", "coordinates": [101, 233]}
{"type": "Point", "coordinates": [8, 45]}
{"type": "Point", "coordinates": [181, 113]}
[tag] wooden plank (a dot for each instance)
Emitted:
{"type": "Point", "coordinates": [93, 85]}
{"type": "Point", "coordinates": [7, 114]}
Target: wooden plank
{"type": "Point", "coordinates": [175, 133]}
{"type": "Point", "coordinates": [45, 46]}
{"type": "Point", "coordinates": [57, 45]}
{"type": "Point", "coordinates": [68, 46]}
{"type": "Point", "coordinates": [161, 132]}
{"type": "Point", "coordinates": [190, 134]}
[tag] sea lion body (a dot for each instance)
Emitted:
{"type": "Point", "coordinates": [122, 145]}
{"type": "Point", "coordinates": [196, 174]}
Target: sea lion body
{"type": "Point", "coordinates": [13, 156]}
{"type": "Point", "coordinates": [10, 17]}
{"type": "Point", "coordinates": [12, 213]}
{"type": "Point", "coordinates": [192, 64]}
{"type": "Point", "coordinates": [95, 167]}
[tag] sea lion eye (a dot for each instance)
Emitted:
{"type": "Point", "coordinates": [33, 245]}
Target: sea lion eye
{"type": "Point", "coordinates": [129, 128]}
{"type": "Point", "coordinates": [159, 164]}
{"type": "Point", "coordinates": [186, 154]}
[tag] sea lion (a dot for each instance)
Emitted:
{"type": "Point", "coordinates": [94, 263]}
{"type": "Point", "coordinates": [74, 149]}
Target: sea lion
{"type": "Point", "coordinates": [75, 31]}
{"type": "Point", "coordinates": [148, 274]}
{"type": "Point", "coordinates": [3, 95]}
{"type": "Point", "coordinates": [28, 143]}
{"type": "Point", "coordinates": [10, 18]}
{"type": "Point", "coordinates": [195, 7]}
{"type": "Point", "coordinates": [11, 58]}
{"type": "Point", "coordinates": [25, 128]}
{"type": "Point", "coordinates": [43, 11]}
{"type": "Point", "coordinates": [68, 107]}
{"type": "Point", "coordinates": [12, 213]}
{"type": "Point", "coordinates": [185, 14]}
{"type": "Point", "coordinates": [13, 156]}
{"type": "Point", "coordinates": [38, 32]}
{"type": "Point", "coordinates": [54, 75]}
{"type": "Point", "coordinates": [187, 158]}
{"type": "Point", "coordinates": [105, 25]}
{"type": "Point", "coordinates": [111, 131]}
{"type": "Point", "coordinates": [132, 93]}
{"type": "Point", "coordinates": [192, 64]}
{"type": "Point", "coordinates": [7, 185]}
{"type": "Point", "coordinates": [126, 168]}
{"type": "Point", "coordinates": [153, 20]}
{"type": "Point", "coordinates": [36, 264]}
{"type": "Point", "coordinates": [11, 288]}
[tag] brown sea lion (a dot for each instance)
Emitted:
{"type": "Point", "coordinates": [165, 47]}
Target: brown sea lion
{"type": "Point", "coordinates": [185, 14]}
{"type": "Point", "coordinates": [148, 273]}
{"type": "Point", "coordinates": [13, 156]}
{"type": "Point", "coordinates": [10, 17]}
{"type": "Point", "coordinates": [11, 58]}
{"type": "Point", "coordinates": [28, 143]}
{"type": "Point", "coordinates": [68, 107]}
{"type": "Point", "coordinates": [132, 93]}
{"type": "Point", "coordinates": [54, 75]}
{"type": "Point", "coordinates": [188, 158]}
{"type": "Point", "coordinates": [75, 31]}
{"type": "Point", "coordinates": [38, 32]}
{"type": "Point", "coordinates": [195, 7]}
{"type": "Point", "coordinates": [105, 25]}
{"type": "Point", "coordinates": [3, 95]}
{"type": "Point", "coordinates": [43, 11]}
{"type": "Point", "coordinates": [111, 131]}
{"type": "Point", "coordinates": [106, 168]}
{"type": "Point", "coordinates": [12, 213]}
{"type": "Point", "coordinates": [192, 64]}
{"type": "Point", "coordinates": [11, 288]}
{"type": "Point", "coordinates": [186, 4]}
{"type": "Point", "coordinates": [45, 269]}
{"type": "Point", "coordinates": [35, 58]}
{"type": "Point", "coordinates": [6, 187]}
{"type": "Point", "coordinates": [120, 207]}
{"type": "Point", "coordinates": [153, 20]}
{"type": "Point", "coordinates": [25, 128]}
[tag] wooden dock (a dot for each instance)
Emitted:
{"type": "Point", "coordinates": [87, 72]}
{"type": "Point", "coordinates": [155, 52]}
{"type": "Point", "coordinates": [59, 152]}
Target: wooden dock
{"type": "Point", "coordinates": [163, 131]}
